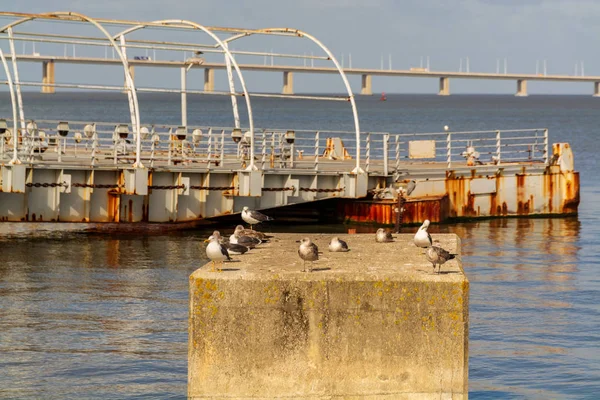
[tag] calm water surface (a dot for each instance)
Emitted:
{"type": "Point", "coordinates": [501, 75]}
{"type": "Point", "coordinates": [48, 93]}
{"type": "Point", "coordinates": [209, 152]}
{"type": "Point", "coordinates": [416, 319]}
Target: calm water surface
{"type": "Point", "coordinates": [105, 316]}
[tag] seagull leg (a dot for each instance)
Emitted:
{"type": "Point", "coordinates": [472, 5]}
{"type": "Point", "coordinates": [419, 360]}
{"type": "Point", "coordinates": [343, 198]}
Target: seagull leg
{"type": "Point", "coordinates": [303, 265]}
{"type": "Point", "coordinates": [212, 266]}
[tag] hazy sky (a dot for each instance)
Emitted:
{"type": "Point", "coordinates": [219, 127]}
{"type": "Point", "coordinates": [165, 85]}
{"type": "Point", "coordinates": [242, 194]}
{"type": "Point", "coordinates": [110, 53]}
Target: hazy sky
{"type": "Point", "coordinates": [562, 32]}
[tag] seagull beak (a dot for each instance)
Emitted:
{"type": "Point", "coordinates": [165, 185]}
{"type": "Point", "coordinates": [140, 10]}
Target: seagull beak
{"type": "Point", "coordinates": [206, 241]}
{"type": "Point", "coordinates": [298, 241]}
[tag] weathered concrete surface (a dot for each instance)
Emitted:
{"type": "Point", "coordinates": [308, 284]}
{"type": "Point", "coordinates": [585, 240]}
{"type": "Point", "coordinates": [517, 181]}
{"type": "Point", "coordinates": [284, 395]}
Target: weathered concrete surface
{"type": "Point", "coordinates": [373, 323]}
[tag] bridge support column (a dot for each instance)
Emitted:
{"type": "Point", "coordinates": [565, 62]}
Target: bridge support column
{"type": "Point", "coordinates": [288, 82]}
{"type": "Point", "coordinates": [48, 76]}
{"type": "Point", "coordinates": [366, 86]}
{"type": "Point", "coordinates": [444, 86]}
{"type": "Point", "coordinates": [209, 80]}
{"type": "Point", "coordinates": [521, 88]}
{"type": "Point", "coordinates": [596, 89]}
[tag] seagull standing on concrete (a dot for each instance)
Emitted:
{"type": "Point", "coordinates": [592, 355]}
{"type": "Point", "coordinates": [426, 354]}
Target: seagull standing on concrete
{"type": "Point", "coordinates": [422, 237]}
{"type": "Point", "coordinates": [383, 236]}
{"type": "Point", "coordinates": [252, 233]}
{"type": "Point", "coordinates": [337, 244]}
{"type": "Point", "coordinates": [232, 248]}
{"type": "Point", "coordinates": [253, 217]}
{"type": "Point", "coordinates": [308, 251]}
{"type": "Point", "coordinates": [215, 251]}
{"type": "Point", "coordinates": [437, 255]}
{"type": "Point", "coordinates": [250, 242]}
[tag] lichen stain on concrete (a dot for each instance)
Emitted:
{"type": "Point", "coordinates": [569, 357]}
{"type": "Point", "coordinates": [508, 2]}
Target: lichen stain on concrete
{"type": "Point", "coordinates": [293, 325]}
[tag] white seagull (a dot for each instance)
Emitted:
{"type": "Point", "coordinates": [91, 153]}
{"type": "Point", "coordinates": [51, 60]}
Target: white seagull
{"type": "Point", "coordinates": [337, 244]}
{"type": "Point", "coordinates": [422, 237]}
{"type": "Point", "coordinates": [253, 217]}
{"type": "Point", "coordinates": [308, 251]}
{"type": "Point", "coordinates": [215, 251]}
{"type": "Point", "coordinates": [383, 236]}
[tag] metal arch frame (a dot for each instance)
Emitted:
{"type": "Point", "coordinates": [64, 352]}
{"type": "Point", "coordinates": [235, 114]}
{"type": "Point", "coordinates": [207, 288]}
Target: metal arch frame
{"type": "Point", "coordinates": [135, 113]}
{"type": "Point", "coordinates": [299, 33]}
{"type": "Point", "coordinates": [15, 159]}
{"type": "Point", "coordinates": [229, 56]}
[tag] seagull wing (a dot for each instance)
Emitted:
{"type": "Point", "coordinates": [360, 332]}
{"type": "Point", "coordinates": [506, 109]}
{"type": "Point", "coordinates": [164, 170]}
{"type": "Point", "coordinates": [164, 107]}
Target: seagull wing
{"type": "Point", "coordinates": [259, 216]}
{"type": "Point", "coordinates": [443, 254]}
{"type": "Point", "coordinates": [225, 252]}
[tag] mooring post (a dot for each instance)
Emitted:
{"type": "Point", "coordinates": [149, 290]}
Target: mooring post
{"type": "Point", "coordinates": [399, 213]}
{"type": "Point", "coordinates": [358, 324]}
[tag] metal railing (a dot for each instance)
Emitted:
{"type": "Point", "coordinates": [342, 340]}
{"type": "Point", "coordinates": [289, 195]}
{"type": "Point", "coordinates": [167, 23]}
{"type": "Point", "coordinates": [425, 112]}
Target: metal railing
{"type": "Point", "coordinates": [108, 143]}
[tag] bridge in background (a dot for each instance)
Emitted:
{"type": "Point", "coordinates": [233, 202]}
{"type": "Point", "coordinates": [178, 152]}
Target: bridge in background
{"type": "Point", "coordinates": [288, 71]}
{"type": "Point", "coordinates": [133, 171]}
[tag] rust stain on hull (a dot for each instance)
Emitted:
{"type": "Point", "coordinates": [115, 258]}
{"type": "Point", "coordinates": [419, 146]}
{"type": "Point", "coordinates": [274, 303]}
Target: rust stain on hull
{"type": "Point", "coordinates": [383, 212]}
{"type": "Point", "coordinates": [514, 195]}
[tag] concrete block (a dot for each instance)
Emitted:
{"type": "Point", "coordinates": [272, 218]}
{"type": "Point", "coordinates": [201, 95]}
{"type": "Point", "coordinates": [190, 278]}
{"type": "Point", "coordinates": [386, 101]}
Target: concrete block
{"type": "Point", "coordinates": [373, 323]}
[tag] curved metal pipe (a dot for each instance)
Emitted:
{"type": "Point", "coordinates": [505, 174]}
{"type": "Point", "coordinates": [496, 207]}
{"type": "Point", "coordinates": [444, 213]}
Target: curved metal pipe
{"type": "Point", "coordinates": [299, 33]}
{"type": "Point", "coordinates": [15, 159]}
{"type": "Point", "coordinates": [228, 55]}
{"type": "Point", "coordinates": [135, 114]}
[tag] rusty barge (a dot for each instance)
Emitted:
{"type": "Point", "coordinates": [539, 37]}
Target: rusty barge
{"type": "Point", "coordinates": [137, 172]}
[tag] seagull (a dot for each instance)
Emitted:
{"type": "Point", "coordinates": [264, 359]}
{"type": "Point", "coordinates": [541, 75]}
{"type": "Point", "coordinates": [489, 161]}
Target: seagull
{"type": "Point", "coordinates": [383, 236]}
{"type": "Point", "coordinates": [253, 217]}
{"type": "Point", "coordinates": [422, 237]}
{"type": "Point", "coordinates": [215, 251]}
{"type": "Point", "coordinates": [338, 245]}
{"type": "Point", "coordinates": [436, 255]}
{"type": "Point", "coordinates": [249, 232]}
{"type": "Point", "coordinates": [247, 241]}
{"type": "Point", "coordinates": [232, 248]}
{"type": "Point", "coordinates": [308, 251]}
{"type": "Point", "coordinates": [410, 187]}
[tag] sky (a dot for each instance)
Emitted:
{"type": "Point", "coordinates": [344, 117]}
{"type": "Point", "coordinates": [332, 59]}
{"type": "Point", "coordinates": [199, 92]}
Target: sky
{"type": "Point", "coordinates": [525, 33]}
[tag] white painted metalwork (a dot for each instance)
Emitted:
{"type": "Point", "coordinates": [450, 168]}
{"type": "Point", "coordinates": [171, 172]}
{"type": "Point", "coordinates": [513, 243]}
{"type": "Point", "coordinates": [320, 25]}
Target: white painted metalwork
{"type": "Point", "coordinates": [184, 96]}
{"type": "Point", "coordinates": [73, 16]}
{"type": "Point", "coordinates": [498, 148]}
{"type": "Point", "coordinates": [299, 33]}
{"type": "Point", "coordinates": [546, 154]}
{"type": "Point", "coordinates": [234, 107]}
{"type": "Point", "coordinates": [16, 80]}
{"type": "Point", "coordinates": [15, 159]}
{"type": "Point", "coordinates": [227, 54]}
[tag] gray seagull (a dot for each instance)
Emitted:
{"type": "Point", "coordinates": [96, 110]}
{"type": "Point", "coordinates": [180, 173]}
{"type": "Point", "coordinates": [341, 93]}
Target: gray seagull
{"type": "Point", "coordinates": [438, 256]}
{"type": "Point", "coordinates": [253, 217]}
{"type": "Point", "coordinates": [383, 236]}
{"type": "Point", "coordinates": [308, 251]}
{"type": "Point", "coordinates": [337, 244]}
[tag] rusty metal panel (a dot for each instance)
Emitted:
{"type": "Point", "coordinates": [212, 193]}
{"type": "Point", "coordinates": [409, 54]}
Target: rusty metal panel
{"type": "Point", "coordinates": [421, 149]}
{"type": "Point", "coordinates": [104, 201]}
{"type": "Point", "coordinates": [162, 203]}
{"type": "Point", "coordinates": [72, 202]}
{"type": "Point", "coordinates": [483, 185]}
{"type": "Point", "coordinates": [136, 181]}
{"type": "Point", "coordinates": [13, 178]}
{"type": "Point", "coordinates": [43, 198]}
